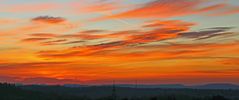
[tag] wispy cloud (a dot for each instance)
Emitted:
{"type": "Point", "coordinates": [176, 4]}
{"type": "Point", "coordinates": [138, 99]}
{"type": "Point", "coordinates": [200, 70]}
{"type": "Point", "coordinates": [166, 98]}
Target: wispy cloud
{"type": "Point", "coordinates": [34, 39]}
{"type": "Point", "coordinates": [43, 35]}
{"type": "Point", "coordinates": [206, 34]}
{"type": "Point", "coordinates": [164, 8]}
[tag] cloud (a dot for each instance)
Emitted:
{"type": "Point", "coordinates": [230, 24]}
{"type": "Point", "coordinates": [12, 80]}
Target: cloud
{"type": "Point", "coordinates": [154, 35]}
{"type": "Point", "coordinates": [232, 61]}
{"type": "Point", "coordinates": [100, 7]}
{"type": "Point", "coordinates": [115, 43]}
{"type": "Point", "coordinates": [44, 35]}
{"type": "Point", "coordinates": [229, 11]}
{"type": "Point", "coordinates": [162, 9]}
{"type": "Point", "coordinates": [214, 7]}
{"type": "Point", "coordinates": [30, 64]}
{"type": "Point", "coordinates": [158, 30]}
{"type": "Point", "coordinates": [38, 80]}
{"type": "Point", "coordinates": [43, 38]}
{"type": "Point", "coordinates": [90, 34]}
{"type": "Point", "coordinates": [49, 19]}
{"type": "Point", "coordinates": [119, 50]}
{"type": "Point", "coordinates": [173, 8]}
{"type": "Point", "coordinates": [82, 36]}
{"type": "Point", "coordinates": [54, 42]}
{"type": "Point", "coordinates": [93, 31]}
{"type": "Point", "coordinates": [49, 81]}
{"type": "Point", "coordinates": [101, 47]}
{"type": "Point", "coordinates": [34, 39]}
{"type": "Point", "coordinates": [216, 35]}
{"type": "Point", "coordinates": [161, 30]}
{"type": "Point", "coordinates": [206, 34]}
{"type": "Point", "coordinates": [170, 24]}
{"type": "Point", "coordinates": [74, 42]}
{"type": "Point", "coordinates": [59, 39]}
{"type": "Point", "coordinates": [83, 50]}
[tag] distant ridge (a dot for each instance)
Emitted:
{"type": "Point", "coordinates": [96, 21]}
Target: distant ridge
{"type": "Point", "coordinates": [167, 86]}
{"type": "Point", "coordinates": [60, 92]}
{"type": "Point", "coordinates": [154, 86]}
{"type": "Point", "coordinates": [217, 86]}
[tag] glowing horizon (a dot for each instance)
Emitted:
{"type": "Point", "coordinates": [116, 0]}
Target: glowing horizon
{"type": "Point", "coordinates": [97, 41]}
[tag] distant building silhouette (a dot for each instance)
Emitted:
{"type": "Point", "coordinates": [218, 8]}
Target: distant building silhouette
{"type": "Point", "coordinates": [114, 96]}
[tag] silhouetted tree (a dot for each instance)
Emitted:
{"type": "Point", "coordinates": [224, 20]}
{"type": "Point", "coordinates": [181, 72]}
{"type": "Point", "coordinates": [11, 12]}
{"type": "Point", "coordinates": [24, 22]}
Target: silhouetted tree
{"type": "Point", "coordinates": [171, 97]}
{"type": "Point", "coordinates": [154, 98]}
{"type": "Point", "coordinates": [219, 97]}
{"type": "Point", "coordinates": [125, 99]}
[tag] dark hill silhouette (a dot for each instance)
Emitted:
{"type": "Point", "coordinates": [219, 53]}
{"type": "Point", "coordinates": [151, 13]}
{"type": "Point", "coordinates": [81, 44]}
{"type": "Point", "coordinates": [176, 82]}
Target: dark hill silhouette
{"type": "Point", "coordinates": [45, 92]}
{"type": "Point", "coordinates": [12, 92]}
{"type": "Point", "coordinates": [127, 92]}
{"type": "Point", "coordinates": [171, 86]}
{"type": "Point", "coordinates": [217, 86]}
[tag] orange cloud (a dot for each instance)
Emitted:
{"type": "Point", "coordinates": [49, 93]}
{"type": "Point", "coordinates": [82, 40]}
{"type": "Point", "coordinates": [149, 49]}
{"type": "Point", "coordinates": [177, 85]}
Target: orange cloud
{"type": "Point", "coordinates": [231, 61]}
{"type": "Point", "coordinates": [54, 42]}
{"type": "Point", "coordinates": [34, 39]}
{"type": "Point", "coordinates": [49, 81]}
{"type": "Point", "coordinates": [164, 8]}
{"type": "Point", "coordinates": [172, 24]}
{"type": "Point", "coordinates": [165, 30]}
{"type": "Point", "coordinates": [171, 29]}
{"type": "Point", "coordinates": [164, 52]}
{"type": "Point", "coordinates": [160, 30]}
{"type": "Point", "coordinates": [50, 35]}
{"type": "Point", "coordinates": [89, 35]}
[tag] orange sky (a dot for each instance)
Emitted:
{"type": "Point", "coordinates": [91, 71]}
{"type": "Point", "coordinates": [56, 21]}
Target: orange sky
{"type": "Point", "coordinates": [96, 42]}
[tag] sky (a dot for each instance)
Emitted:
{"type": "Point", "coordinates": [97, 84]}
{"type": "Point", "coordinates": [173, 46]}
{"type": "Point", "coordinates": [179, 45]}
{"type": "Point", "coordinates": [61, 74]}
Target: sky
{"type": "Point", "coordinates": [100, 41]}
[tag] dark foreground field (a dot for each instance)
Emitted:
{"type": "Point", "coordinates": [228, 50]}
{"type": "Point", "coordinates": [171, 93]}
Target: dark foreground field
{"type": "Point", "coordinates": [37, 92]}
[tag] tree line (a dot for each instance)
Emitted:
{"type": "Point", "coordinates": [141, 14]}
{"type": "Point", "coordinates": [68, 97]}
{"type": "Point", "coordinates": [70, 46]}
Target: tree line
{"type": "Point", "coordinates": [13, 92]}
